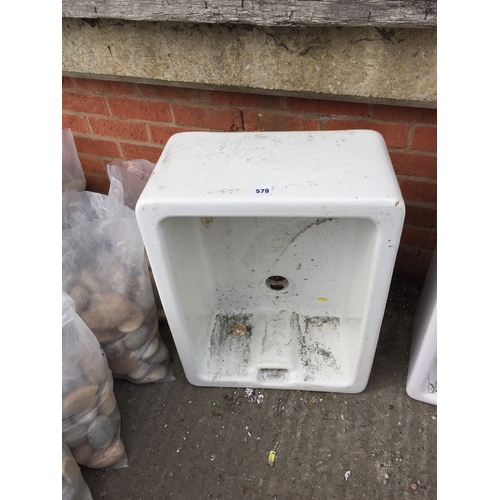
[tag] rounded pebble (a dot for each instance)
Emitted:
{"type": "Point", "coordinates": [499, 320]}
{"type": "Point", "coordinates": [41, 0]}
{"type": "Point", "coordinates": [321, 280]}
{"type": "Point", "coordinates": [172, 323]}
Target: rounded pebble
{"type": "Point", "coordinates": [114, 349]}
{"type": "Point", "coordinates": [112, 335]}
{"type": "Point", "coordinates": [94, 364]}
{"type": "Point", "coordinates": [151, 347]}
{"type": "Point", "coordinates": [133, 321]}
{"type": "Point", "coordinates": [106, 311]}
{"type": "Point", "coordinates": [139, 372]}
{"type": "Point", "coordinates": [124, 364]}
{"type": "Point", "coordinates": [81, 297]}
{"type": "Point", "coordinates": [80, 400]}
{"type": "Point", "coordinates": [71, 471]}
{"type": "Point", "coordinates": [160, 355]}
{"type": "Point", "coordinates": [107, 402]}
{"type": "Point", "coordinates": [136, 338]}
{"type": "Point", "coordinates": [157, 373]}
{"type": "Point", "coordinates": [87, 279]}
{"type": "Point", "coordinates": [82, 452]}
{"type": "Point", "coordinates": [74, 433]}
{"type": "Point", "coordinates": [108, 457]}
{"type": "Point", "coordinates": [101, 432]}
{"type": "Point", "coordinates": [87, 416]}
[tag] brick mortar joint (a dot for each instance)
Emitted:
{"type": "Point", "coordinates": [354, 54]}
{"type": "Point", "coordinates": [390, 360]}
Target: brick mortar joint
{"type": "Point", "coordinates": [119, 118]}
{"type": "Point", "coordinates": [280, 110]}
{"type": "Point", "coordinates": [405, 177]}
{"type": "Point", "coordinates": [412, 152]}
{"type": "Point", "coordinates": [409, 138]}
{"type": "Point", "coordinates": [100, 137]}
{"type": "Point", "coordinates": [131, 97]}
{"type": "Point", "coordinates": [423, 228]}
{"type": "Point", "coordinates": [421, 204]}
{"type": "Point", "coordinates": [406, 246]}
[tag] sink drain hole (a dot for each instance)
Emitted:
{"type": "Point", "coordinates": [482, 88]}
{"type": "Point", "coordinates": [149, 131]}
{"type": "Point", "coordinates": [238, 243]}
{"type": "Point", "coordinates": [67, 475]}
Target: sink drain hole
{"type": "Point", "coordinates": [279, 283]}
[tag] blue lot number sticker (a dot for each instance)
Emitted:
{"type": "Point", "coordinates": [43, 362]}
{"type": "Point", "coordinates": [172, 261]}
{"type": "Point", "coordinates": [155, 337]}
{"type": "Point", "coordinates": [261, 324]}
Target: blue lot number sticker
{"type": "Point", "coordinates": [262, 191]}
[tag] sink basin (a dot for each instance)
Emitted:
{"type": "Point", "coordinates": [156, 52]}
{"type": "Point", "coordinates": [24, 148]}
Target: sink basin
{"type": "Point", "coordinates": [273, 254]}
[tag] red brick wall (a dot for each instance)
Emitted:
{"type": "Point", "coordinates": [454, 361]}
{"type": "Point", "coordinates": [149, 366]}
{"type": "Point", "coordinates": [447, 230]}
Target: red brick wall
{"type": "Point", "coordinates": [119, 120]}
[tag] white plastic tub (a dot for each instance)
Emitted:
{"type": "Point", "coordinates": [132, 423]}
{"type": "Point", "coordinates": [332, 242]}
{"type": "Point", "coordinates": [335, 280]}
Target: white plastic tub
{"type": "Point", "coordinates": [422, 368]}
{"type": "Point", "coordinates": [284, 288]}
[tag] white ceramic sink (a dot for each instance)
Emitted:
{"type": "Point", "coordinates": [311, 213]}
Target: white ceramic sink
{"type": "Point", "coordinates": [281, 289]}
{"type": "Point", "coordinates": [421, 383]}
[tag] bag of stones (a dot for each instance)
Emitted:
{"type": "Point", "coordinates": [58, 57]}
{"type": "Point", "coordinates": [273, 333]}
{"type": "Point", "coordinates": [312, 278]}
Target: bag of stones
{"type": "Point", "coordinates": [74, 486]}
{"type": "Point", "coordinates": [127, 180]}
{"type": "Point", "coordinates": [90, 416]}
{"type": "Point", "coordinates": [105, 272]}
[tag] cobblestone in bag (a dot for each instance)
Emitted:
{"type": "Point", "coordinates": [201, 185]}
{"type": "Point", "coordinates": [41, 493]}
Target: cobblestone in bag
{"type": "Point", "coordinates": [127, 179]}
{"type": "Point", "coordinates": [74, 486]}
{"type": "Point", "coordinates": [106, 273]}
{"type": "Point", "coordinates": [91, 419]}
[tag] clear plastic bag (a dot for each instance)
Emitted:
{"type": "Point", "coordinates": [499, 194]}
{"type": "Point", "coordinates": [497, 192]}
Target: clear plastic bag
{"type": "Point", "coordinates": [74, 486]}
{"type": "Point", "coordinates": [127, 181]}
{"type": "Point", "coordinates": [106, 274]}
{"type": "Point", "coordinates": [91, 419]}
{"type": "Point", "coordinates": [73, 178]}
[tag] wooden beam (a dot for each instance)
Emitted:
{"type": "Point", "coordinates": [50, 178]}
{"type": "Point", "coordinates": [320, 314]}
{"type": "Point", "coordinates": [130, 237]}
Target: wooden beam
{"type": "Point", "coordinates": [380, 13]}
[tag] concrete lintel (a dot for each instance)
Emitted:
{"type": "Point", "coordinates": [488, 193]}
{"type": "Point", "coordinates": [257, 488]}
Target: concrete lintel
{"type": "Point", "coordinates": [390, 66]}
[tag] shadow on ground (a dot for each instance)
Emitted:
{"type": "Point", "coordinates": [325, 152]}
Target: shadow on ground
{"type": "Point", "coordinates": [189, 443]}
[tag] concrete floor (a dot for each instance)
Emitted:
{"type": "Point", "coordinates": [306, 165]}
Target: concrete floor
{"type": "Point", "coordinates": [189, 443]}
